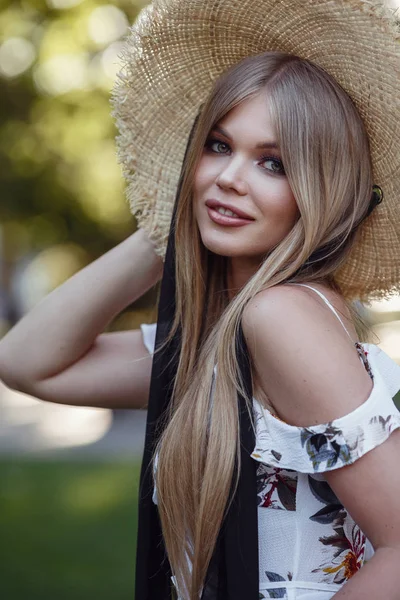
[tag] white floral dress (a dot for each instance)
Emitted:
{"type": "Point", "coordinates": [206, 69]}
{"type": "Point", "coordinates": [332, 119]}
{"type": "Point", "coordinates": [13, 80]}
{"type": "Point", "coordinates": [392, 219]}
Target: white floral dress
{"type": "Point", "coordinates": [309, 545]}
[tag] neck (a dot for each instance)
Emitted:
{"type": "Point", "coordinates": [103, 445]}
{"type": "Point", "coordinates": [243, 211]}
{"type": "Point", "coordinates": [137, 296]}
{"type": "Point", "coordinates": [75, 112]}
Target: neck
{"type": "Point", "coordinates": [239, 271]}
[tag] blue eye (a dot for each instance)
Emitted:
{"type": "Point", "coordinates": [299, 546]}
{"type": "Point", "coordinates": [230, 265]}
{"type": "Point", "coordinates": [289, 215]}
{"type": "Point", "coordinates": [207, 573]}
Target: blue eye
{"type": "Point", "coordinates": [217, 146]}
{"type": "Point", "coordinates": [277, 166]}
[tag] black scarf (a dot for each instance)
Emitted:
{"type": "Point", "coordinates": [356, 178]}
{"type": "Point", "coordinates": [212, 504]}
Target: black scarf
{"type": "Point", "coordinates": [233, 571]}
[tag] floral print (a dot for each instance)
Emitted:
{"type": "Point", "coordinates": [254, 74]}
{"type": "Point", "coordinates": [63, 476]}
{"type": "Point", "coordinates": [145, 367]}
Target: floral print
{"type": "Point", "coordinates": [385, 425]}
{"type": "Point", "coordinates": [333, 510]}
{"type": "Point", "coordinates": [276, 488]}
{"type": "Point", "coordinates": [279, 592]}
{"type": "Point", "coordinates": [348, 556]}
{"type": "Point", "coordinates": [327, 444]}
{"type": "Point", "coordinates": [345, 551]}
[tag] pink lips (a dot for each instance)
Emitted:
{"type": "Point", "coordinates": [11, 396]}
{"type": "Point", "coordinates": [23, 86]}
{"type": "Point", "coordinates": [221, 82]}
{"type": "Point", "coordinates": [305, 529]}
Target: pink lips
{"type": "Point", "coordinates": [227, 221]}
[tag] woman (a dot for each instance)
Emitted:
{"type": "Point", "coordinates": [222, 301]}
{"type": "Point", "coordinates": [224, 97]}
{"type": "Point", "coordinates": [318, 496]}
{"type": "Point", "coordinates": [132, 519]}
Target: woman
{"type": "Point", "coordinates": [293, 189]}
{"type": "Point", "coordinates": [266, 423]}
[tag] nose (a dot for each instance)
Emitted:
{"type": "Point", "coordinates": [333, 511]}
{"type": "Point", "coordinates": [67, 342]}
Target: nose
{"type": "Point", "coordinates": [231, 178]}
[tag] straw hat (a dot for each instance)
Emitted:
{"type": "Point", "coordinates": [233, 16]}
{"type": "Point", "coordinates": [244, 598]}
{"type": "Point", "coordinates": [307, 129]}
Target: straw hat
{"type": "Point", "coordinates": [177, 48]}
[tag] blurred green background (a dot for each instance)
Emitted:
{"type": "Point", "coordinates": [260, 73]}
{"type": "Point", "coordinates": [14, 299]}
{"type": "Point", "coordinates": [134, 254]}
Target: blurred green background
{"type": "Point", "coordinates": [69, 476]}
{"type": "Point", "coordinates": [67, 523]}
{"type": "Point", "coordinates": [67, 530]}
{"type": "Point", "coordinates": [61, 189]}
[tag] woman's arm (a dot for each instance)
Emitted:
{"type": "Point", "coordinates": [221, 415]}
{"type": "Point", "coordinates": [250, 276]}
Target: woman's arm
{"type": "Point", "coordinates": [57, 352]}
{"type": "Point", "coordinates": [370, 491]}
{"type": "Point", "coordinates": [311, 373]}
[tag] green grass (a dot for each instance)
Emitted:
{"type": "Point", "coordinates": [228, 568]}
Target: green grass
{"type": "Point", "coordinates": [67, 530]}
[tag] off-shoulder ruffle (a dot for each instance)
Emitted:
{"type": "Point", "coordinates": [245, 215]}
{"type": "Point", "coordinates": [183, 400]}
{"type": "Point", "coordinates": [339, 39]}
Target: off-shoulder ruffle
{"type": "Point", "coordinates": [329, 446]}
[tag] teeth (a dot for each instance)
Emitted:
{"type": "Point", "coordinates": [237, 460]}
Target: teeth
{"type": "Point", "coordinates": [226, 211]}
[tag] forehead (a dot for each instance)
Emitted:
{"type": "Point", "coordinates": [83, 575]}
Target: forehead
{"type": "Point", "coordinates": [251, 117]}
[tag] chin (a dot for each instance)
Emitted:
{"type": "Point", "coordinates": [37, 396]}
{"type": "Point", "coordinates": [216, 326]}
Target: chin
{"type": "Point", "coordinates": [231, 243]}
{"type": "Point", "coordinates": [216, 247]}
{"type": "Point", "coordinates": [230, 249]}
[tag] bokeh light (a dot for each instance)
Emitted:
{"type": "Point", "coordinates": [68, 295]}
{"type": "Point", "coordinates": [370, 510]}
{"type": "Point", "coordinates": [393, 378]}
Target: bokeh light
{"type": "Point", "coordinates": [110, 59]}
{"type": "Point", "coordinates": [390, 305]}
{"type": "Point", "coordinates": [51, 426]}
{"type": "Point", "coordinates": [63, 73]}
{"type": "Point", "coordinates": [16, 56]}
{"type": "Point", "coordinates": [107, 24]}
{"type": "Point", "coordinates": [63, 4]}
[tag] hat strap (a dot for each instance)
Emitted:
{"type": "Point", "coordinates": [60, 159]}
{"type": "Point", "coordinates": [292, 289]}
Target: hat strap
{"type": "Point", "coordinates": [376, 198]}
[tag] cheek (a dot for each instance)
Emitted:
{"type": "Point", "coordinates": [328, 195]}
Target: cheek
{"type": "Point", "coordinates": [290, 207]}
{"type": "Point", "coordinates": [205, 174]}
{"type": "Point", "coordinates": [281, 203]}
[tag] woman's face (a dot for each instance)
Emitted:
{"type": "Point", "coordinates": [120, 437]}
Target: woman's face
{"type": "Point", "coordinates": [240, 171]}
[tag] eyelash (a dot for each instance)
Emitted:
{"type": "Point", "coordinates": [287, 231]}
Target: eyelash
{"type": "Point", "coordinates": [211, 141]}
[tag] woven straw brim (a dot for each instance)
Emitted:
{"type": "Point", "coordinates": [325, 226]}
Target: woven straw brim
{"type": "Point", "coordinates": [177, 48]}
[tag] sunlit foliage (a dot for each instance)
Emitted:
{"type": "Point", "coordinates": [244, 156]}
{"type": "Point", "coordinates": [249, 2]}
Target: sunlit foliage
{"type": "Point", "coordinates": [59, 180]}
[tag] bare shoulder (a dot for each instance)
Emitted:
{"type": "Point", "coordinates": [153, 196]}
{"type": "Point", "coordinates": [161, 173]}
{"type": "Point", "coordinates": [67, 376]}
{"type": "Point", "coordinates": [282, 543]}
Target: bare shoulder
{"type": "Point", "coordinates": [298, 308]}
{"type": "Point", "coordinates": [297, 298]}
{"type": "Point", "coordinates": [306, 364]}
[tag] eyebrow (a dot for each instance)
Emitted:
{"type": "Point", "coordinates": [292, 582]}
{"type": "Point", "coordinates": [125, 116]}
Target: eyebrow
{"type": "Point", "coordinates": [261, 145]}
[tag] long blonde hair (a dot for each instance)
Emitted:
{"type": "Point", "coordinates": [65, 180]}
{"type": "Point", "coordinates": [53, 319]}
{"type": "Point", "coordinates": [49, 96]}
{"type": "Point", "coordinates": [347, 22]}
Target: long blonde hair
{"type": "Point", "coordinates": [325, 152]}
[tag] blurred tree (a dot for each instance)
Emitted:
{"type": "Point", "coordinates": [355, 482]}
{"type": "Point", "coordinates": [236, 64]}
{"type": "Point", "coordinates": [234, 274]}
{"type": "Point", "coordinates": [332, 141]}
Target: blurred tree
{"type": "Point", "coordinates": [59, 180]}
